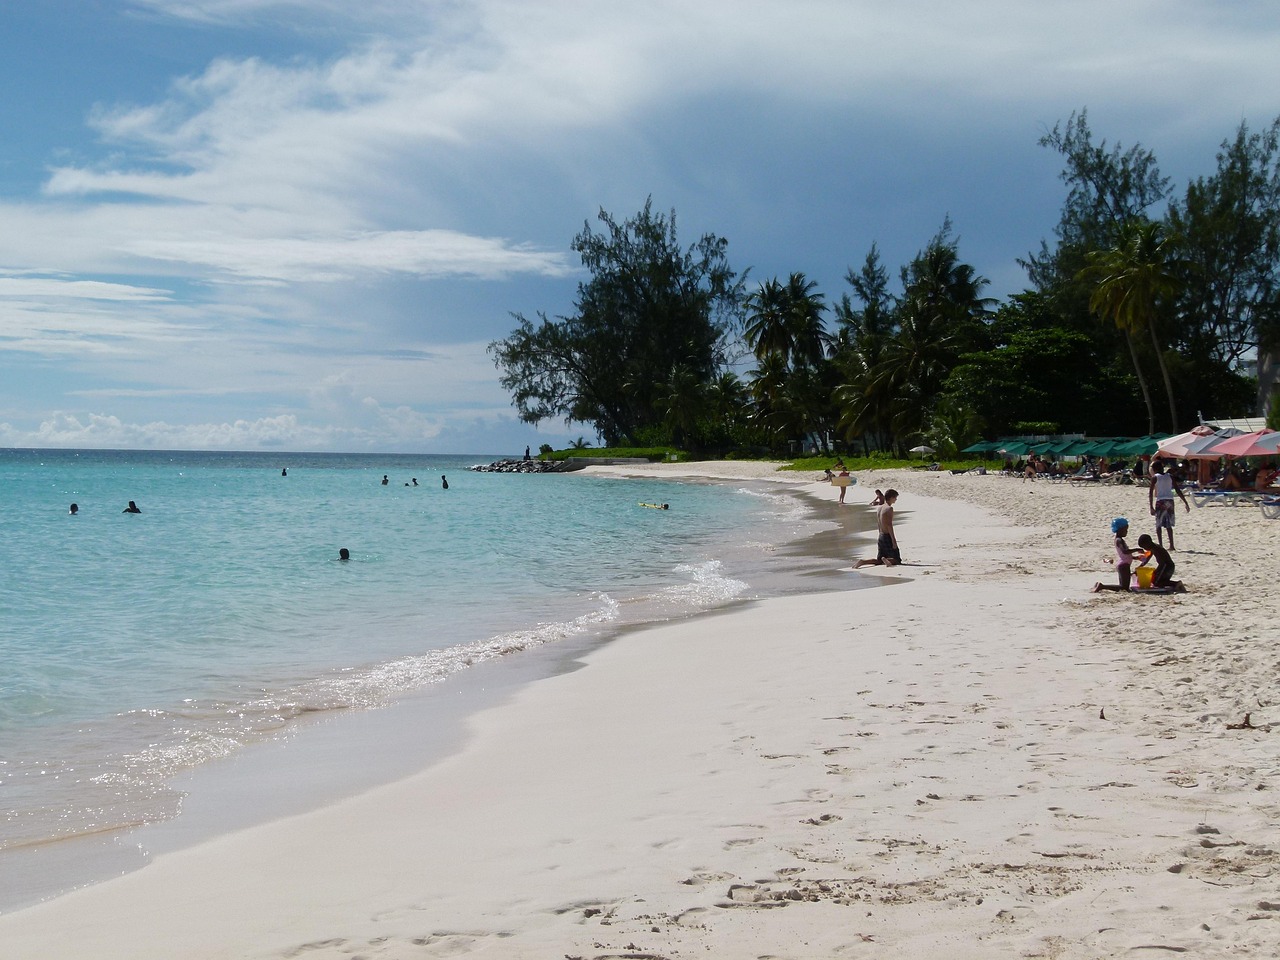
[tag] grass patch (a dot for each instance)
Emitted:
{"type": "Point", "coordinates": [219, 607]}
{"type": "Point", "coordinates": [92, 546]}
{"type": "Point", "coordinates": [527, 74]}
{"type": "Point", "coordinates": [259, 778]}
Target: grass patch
{"type": "Point", "coordinates": [884, 462]}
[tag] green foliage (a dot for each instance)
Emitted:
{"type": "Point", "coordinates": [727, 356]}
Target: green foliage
{"type": "Point", "coordinates": [882, 461]}
{"type": "Point", "coordinates": [648, 310]}
{"type": "Point", "coordinates": [1132, 280]}
{"type": "Point", "coordinates": [1036, 428]}
{"type": "Point", "coordinates": [649, 453]}
{"type": "Point", "coordinates": [644, 357]}
{"type": "Point", "coordinates": [895, 354]}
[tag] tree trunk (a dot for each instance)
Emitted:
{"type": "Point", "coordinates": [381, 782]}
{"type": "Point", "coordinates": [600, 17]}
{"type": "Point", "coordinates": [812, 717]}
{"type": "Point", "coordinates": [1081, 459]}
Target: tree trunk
{"type": "Point", "coordinates": [1268, 379]}
{"type": "Point", "coordinates": [1168, 384]}
{"type": "Point", "coordinates": [1142, 382]}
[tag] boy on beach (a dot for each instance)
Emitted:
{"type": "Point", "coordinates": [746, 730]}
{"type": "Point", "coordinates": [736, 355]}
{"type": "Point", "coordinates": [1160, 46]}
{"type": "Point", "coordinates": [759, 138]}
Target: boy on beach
{"type": "Point", "coordinates": [1160, 499]}
{"type": "Point", "coordinates": [1162, 578]}
{"type": "Point", "coordinates": [887, 553]}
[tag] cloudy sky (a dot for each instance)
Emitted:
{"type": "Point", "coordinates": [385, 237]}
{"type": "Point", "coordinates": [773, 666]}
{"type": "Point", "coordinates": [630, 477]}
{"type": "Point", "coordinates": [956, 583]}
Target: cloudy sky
{"type": "Point", "coordinates": [296, 224]}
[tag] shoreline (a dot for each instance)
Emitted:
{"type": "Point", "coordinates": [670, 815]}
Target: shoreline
{"type": "Point", "coordinates": [985, 758]}
{"type": "Point", "coordinates": [331, 757]}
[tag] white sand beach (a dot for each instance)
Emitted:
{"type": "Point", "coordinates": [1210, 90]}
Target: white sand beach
{"type": "Point", "coordinates": [980, 758]}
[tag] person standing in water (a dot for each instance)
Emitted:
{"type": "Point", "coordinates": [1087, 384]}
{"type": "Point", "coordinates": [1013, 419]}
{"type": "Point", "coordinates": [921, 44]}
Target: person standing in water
{"type": "Point", "coordinates": [444, 482]}
{"type": "Point", "coordinates": [131, 508]}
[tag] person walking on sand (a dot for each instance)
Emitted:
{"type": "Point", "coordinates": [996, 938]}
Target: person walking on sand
{"type": "Point", "coordinates": [1160, 499]}
{"type": "Point", "coordinates": [887, 552]}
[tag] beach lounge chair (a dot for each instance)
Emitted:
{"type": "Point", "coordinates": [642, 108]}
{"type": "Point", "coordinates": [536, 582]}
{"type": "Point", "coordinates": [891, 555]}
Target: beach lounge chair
{"type": "Point", "coordinates": [1271, 508]}
{"type": "Point", "coordinates": [1229, 498]}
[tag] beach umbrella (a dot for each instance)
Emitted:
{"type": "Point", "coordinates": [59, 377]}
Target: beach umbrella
{"type": "Point", "coordinates": [1099, 447]}
{"type": "Point", "coordinates": [922, 450]}
{"type": "Point", "coordinates": [1014, 448]}
{"type": "Point", "coordinates": [1247, 445]}
{"type": "Point", "coordinates": [982, 446]}
{"type": "Point", "coordinates": [1267, 446]}
{"type": "Point", "coordinates": [1176, 446]}
{"type": "Point", "coordinates": [1076, 447]}
{"type": "Point", "coordinates": [1141, 447]}
{"type": "Point", "coordinates": [1205, 447]}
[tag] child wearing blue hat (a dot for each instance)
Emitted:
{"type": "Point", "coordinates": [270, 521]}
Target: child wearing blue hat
{"type": "Point", "coordinates": [1123, 558]}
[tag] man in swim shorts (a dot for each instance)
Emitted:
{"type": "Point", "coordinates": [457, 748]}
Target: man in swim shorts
{"type": "Point", "coordinates": [887, 552]}
{"type": "Point", "coordinates": [1160, 499]}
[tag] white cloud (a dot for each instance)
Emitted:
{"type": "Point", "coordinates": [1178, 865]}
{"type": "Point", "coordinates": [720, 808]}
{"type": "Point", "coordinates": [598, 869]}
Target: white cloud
{"type": "Point", "coordinates": [246, 233]}
{"type": "Point", "coordinates": [58, 288]}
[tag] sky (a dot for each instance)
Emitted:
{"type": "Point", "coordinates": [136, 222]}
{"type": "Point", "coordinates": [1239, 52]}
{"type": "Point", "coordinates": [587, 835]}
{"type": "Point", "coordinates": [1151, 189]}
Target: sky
{"type": "Point", "coordinates": [297, 224]}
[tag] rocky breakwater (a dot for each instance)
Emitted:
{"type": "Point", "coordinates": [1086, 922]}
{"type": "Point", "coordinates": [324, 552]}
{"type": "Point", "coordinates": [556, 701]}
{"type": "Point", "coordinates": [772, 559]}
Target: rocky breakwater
{"type": "Point", "coordinates": [527, 466]}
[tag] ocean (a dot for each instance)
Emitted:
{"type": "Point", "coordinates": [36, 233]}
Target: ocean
{"type": "Point", "coordinates": [135, 647]}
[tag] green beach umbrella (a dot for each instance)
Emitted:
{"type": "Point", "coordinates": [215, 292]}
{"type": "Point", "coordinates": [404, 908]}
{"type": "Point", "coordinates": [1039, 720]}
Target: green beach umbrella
{"type": "Point", "coordinates": [1075, 448]}
{"type": "Point", "coordinates": [1015, 448]}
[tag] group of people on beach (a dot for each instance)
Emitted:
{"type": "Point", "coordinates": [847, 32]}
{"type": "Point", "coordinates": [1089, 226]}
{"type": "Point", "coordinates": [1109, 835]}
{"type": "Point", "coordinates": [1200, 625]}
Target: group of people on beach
{"type": "Point", "coordinates": [1162, 496]}
{"type": "Point", "coordinates": [1163, 508]}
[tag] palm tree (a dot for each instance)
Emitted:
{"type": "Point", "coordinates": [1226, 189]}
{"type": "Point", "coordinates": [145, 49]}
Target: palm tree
{"type": "Point", "coordinates": [807, 335]}
{"type": "Point", "coordinates": [769, 394]}
{"type": "Point", "coordinates": [859, 348]}
{"type": "Point", "coordinates": [767, 330]}
{"type": "Point", "coordinates": [682, 404]}
{"type": "Point", "coordinates": [787, 320]}
{"type": "Point", "coordinates": [940, 316]}
{"type": "Point", "coordinates": [1133, 278]}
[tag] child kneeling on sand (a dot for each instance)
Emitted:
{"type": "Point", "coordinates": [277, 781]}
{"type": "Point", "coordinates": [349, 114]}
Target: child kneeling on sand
{"type": "Point", "coordinates": [1123, 558]}
{"type": "Point", "coordinates": [1162, 579]}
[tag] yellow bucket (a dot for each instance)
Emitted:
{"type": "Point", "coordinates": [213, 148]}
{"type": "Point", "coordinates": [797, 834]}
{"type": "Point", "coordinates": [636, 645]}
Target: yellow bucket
{"type": "Point", "coordinates": [1144, 577]}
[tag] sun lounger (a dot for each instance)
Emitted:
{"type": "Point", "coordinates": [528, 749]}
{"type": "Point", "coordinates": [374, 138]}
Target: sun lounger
{"type": "Point", "coordinates": [1271, 508]}
{"type": "Point", "coordinates": [1230, 498]}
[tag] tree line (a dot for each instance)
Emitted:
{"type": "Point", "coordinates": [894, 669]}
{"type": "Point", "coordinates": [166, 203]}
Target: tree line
{"type": "Point", "coordinates": [1179, 306]}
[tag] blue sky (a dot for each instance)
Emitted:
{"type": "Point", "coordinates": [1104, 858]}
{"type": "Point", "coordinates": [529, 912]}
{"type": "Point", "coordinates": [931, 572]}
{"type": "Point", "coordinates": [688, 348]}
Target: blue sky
{"type": "Point", "coordinates": [265, 224]}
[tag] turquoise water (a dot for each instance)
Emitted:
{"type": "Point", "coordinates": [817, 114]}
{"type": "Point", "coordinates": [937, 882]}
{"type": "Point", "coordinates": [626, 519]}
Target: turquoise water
{"type": "Point", "coordinates": [135, 646]}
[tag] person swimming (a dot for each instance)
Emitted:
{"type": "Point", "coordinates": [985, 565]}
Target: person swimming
{"type": "Point", "coordinates": [131, 508]}
{"type": "Point", "coordinates": [75, 508]}
{"type": "Point", "coordinates": [344, 554]}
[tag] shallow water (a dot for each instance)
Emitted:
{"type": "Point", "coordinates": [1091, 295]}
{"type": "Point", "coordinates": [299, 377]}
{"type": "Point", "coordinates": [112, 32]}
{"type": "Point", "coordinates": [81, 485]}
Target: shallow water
{"type": "Point", "coordinates": [138, 646]}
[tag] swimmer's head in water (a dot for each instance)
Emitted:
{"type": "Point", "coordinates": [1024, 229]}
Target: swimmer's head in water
{"type": "Point", "coordinates": [344, 554]}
